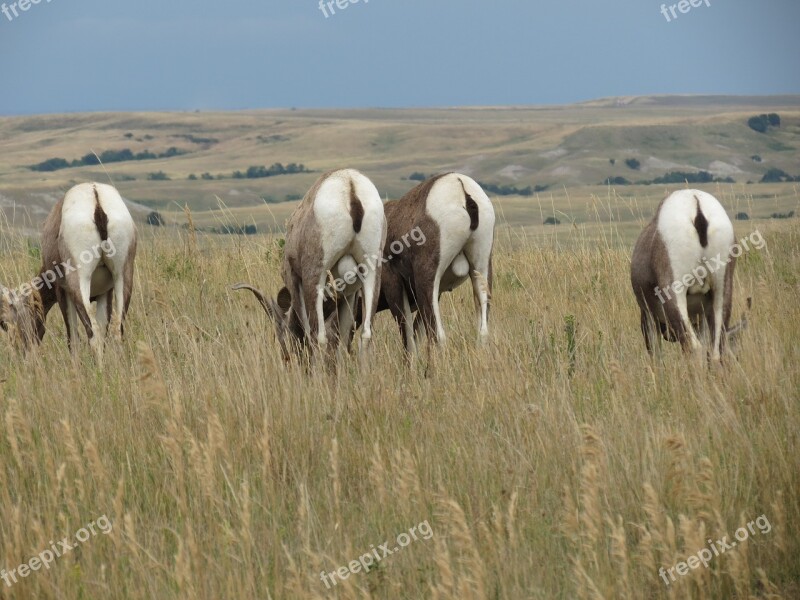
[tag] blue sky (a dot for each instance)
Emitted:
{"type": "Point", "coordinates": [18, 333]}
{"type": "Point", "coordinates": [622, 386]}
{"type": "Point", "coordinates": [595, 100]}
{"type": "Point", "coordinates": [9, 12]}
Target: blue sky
{"type": "Point", "coordinates": [90, 55]}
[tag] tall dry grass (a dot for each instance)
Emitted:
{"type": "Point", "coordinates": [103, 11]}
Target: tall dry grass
{"type": "Point", "coordinates": [556, 462]}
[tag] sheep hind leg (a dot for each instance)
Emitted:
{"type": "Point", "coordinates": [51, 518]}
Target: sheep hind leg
{"type": "Point", "coordinates": [319, 305]}
{"type": "Point", "coordinates": [88, 314]}
{"type": "Point", "coordinates": [103, 312]}
{"type": "Point", "coordinates": [79, 307]}
{"type": "Point", "coordinates": [70, 312]}
{"type": "Point", "coordinates": [119, 307]}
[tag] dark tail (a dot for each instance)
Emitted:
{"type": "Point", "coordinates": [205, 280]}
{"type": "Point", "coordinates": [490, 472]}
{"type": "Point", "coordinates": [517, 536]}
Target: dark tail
{"type": "Point", "coordinates": [100, 217]}
{"type": "Point", "coordinates": [472, 209]}
{"type": "Point", "coordinates": [701, 225]}
{"type": "Point", "coordinates": [356, 208]}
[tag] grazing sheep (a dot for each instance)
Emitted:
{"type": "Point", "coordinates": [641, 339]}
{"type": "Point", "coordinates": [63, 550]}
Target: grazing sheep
{"type": "Point", "coordinates": [456, 221]}
{"type": "Point", "coordinates": [337, 227]}
{"type": "Point", "coordinates": [682, 273]}
{"type": "Point", "coordinates": [88, 252]}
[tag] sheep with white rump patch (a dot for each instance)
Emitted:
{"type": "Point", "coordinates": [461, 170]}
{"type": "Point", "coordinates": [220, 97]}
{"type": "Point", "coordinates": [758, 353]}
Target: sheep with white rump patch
{"type": "Point", "coordinates": [682, 273]}
{"type": "Point", "coordinates": [88, 252]}
{"type": "Point", "coordinates": [456, 219]}
{"type": "Point", "coordinates": [338, 225]}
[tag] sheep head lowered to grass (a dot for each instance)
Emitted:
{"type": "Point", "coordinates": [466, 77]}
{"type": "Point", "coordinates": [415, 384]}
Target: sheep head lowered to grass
{"type": "Point", "coordinates": [338, 225]}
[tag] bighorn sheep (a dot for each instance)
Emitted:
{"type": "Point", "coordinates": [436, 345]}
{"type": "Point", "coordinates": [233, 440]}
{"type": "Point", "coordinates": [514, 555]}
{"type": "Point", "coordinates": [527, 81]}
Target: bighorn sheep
{"type": "Point", "coordinates": [456, 219]}
{"type": "Point", "coordinates": [682, 273]}
{"type": "Point", "coordinates": [338, 230]}
{"type": "Point", "coordinates": [88, 252]}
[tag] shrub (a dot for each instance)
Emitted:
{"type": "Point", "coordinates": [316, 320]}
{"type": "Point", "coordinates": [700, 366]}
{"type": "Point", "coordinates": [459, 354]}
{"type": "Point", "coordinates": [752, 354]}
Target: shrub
{"type": "Point", "coordinates": [511, 190]}
{"type": "Point", "coordinates": [236, 230]}
{"type": "Point", "coordinates": [155, 219]}
{"type": "Point", "coordinates": [109, 156]}
{"type": "Point", "coordinates": [258, 172]}
{"type": "Point", "coordinates": [616, 181]}
{"type": "Point", "coordinates": [51, 164]}
{"type": "Point", "coordinates": [633, 163]}
{"type": "Point", "coordinates": [685, 177]}
{"type": "Point", "coordinates": [775, 175]}
{"type": "Point", "coordinates": [762, 123]}
{"type": "Point", "coordinates": [759, 124]}
{"type": "Point", "coordinates": [742, 216]}
{"type": "Point", "coordinates": [552, 221]}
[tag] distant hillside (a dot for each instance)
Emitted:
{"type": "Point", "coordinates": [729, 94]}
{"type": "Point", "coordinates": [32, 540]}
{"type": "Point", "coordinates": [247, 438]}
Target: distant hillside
{"type": "Point", "coordinates": [164, 161]}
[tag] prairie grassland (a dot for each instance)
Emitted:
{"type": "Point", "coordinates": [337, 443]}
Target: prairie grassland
{"type": "Point", "coordinates": [555, 462]}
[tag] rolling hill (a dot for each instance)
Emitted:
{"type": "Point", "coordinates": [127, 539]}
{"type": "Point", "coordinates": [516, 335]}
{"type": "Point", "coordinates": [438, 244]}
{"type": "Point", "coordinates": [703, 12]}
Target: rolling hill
{"type": "Point", "coordinates": [565, 150]}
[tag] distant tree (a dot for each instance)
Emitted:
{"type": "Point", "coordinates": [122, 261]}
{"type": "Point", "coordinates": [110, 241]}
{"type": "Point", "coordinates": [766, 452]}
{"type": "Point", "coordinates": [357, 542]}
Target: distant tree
{"type": "Point", "coordinates": [155, 219]}
{"type": "Point", "coordinates": [552, 221]}
{"type": "Point", "coordinates": [742, 216]}
{"type": "Point", "coordinates": [633, 163]}
{"type": "Point", "coordinates": [774, 120]}
{"type": "Point", "coordinates": [207, 176]}
{"type": "Point", "coordinates": [192, 177]}
{"type": "Point", "coordinates": [756, 158]}
{"type": "Point", "coordinates": [158, 176]}
{"type": "Point", "coordinates": [129, 135]}
{"type": "Point", "coordinates": [417, 176]}
{"type": "Point", "coordinates": [613, 161]}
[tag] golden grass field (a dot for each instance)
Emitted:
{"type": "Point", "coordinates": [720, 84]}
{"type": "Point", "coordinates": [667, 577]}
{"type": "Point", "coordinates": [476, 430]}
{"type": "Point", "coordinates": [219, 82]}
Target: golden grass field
{"type": "Point", "coordinates": [556, 461]}
{"type": "Point", "coordinates": [548, 464]}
